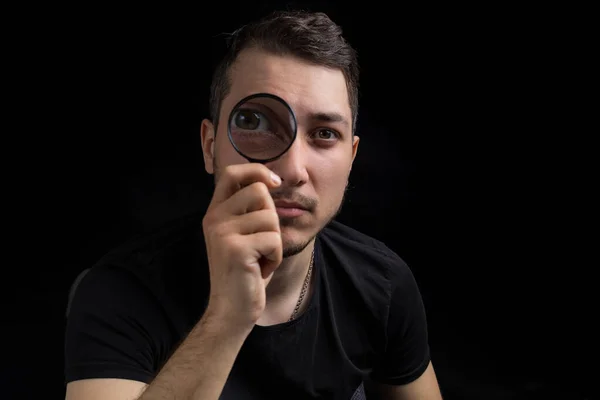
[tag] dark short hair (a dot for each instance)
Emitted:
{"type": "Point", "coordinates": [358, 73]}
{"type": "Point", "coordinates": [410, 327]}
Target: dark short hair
{"type": "Point", "coordinates": [310, 36]}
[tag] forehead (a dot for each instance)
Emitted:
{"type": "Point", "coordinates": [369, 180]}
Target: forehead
{"type": "Point", "coordinates": [306, 87]}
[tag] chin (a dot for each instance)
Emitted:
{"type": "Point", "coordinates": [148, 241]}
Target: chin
{"type": "Point", "coordinates": [294, 241]}
{"type": "Point", "coordinates": [297, 233]}
{"type": "Point", "coordinates": [292, 249]}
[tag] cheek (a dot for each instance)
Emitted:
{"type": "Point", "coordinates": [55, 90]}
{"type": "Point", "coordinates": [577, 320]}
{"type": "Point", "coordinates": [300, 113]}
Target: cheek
{"type": "Point", "coordinates": [330, 182]}
{"type": "Point", "coordinates": [225, 154]}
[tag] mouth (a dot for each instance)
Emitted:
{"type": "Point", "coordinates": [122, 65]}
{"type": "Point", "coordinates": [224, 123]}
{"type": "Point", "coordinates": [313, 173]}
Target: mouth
{"type": "Point", "coordinates": [289, 209]}
{"type": "Point", "coordinates": [289, 204]}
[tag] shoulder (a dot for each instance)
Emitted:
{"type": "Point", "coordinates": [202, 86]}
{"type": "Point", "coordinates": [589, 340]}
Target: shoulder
{"type": "Point", "coordinates": [363, 267]}
{"type": "Point", "coordinates": [357, 250]}
{"type": "Point", "coordinates": [153, 241]}
{"type": "Point", "coordinates": [164, 262]}
{"type": "Point", "coordinates": [133, 306]}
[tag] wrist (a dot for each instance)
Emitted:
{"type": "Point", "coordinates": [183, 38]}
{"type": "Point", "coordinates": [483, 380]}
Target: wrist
{"type": "Point", "coordinates": [226, 325]}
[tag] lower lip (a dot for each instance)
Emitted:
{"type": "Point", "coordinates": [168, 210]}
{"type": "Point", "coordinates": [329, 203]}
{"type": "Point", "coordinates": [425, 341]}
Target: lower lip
{"type": "Point", "coordinates": [289, 212]}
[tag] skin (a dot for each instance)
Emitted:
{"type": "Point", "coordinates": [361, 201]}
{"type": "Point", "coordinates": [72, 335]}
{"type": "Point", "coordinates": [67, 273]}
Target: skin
{"type": "Point", "coordinates": [314, 171]}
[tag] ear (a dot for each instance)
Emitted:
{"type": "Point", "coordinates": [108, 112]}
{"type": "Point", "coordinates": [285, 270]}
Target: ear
{"type": "Point", "coordinates": [207, 138]}
{"type": "Point", "coordinates": [355, 141]}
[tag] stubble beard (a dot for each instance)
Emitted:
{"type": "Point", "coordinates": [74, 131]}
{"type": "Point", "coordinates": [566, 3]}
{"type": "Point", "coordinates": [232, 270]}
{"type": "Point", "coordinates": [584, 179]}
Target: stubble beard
{"type": "Point", "coordinates": [292, 249]}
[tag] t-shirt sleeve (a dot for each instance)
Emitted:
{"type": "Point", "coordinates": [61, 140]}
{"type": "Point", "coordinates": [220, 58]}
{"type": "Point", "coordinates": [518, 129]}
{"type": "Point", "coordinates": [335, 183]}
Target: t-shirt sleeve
{"type": "Point", "coordinates": [113, 328]}
{"type": "Point", "coordinates": [407, 348]}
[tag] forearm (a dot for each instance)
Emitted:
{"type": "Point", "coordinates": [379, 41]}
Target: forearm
{"type": "Point", "coordinates": [200, 366]}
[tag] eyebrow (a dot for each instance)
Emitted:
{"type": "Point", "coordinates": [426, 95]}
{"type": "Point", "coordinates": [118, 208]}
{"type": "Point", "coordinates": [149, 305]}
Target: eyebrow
{"type": "Point", "coordinates": [328, 117]}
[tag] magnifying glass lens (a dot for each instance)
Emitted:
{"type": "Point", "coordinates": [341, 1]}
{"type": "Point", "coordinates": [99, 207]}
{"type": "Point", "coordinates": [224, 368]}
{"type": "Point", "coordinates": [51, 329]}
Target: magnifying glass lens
{"type": "Point", "coordinates": [262, 128]}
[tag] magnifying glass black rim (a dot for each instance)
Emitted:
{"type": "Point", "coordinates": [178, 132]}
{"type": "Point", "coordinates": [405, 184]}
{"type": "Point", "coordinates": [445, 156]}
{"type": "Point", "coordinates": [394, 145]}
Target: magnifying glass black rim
{"type": "Point", "coordinates": [252, 96]}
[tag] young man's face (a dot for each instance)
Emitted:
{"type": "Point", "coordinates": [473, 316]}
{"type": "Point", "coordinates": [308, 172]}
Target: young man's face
{"type": "Point", "coordinates": [315, 169]}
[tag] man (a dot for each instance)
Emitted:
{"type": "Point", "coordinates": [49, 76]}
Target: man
{"type": "Point", "coordinates": [264, 296]}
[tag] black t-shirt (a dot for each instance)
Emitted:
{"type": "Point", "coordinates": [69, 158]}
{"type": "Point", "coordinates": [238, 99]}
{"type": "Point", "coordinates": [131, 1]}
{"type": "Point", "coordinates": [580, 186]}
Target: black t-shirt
{"type": "Point", "coordinates": [365, 319]}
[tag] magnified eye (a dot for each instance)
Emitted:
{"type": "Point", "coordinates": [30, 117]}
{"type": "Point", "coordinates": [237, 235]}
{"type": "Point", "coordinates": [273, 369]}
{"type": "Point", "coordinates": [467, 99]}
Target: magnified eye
{"type": "Point", "coordinates": [262, 127]}
{"type": "Point", "coordinates": [250, 119]}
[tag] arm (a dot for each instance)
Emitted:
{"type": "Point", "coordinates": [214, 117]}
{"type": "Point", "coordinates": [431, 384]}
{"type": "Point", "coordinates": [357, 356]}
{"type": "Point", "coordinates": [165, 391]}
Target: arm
{"type": "Point", "coordinates": [200, 366]}
{"type": "Point", "coordinates": [197, 370]}
{"type": "Point", "coordinates": [113, 333]}
{"type": "Point", "coordinates": [424, 387]}
{"type": "Point", "coordinates": [405, 371]}
{"type": "Point", "coordinates": [117, 336]}
{"type": "Point", "coordinates": [118, 331]}
{"type": "Point", "coordinates": [105, 388]}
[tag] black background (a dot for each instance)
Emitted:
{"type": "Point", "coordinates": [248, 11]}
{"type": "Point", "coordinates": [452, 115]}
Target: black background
{"type": "Point", "coordinates": [464, 169]}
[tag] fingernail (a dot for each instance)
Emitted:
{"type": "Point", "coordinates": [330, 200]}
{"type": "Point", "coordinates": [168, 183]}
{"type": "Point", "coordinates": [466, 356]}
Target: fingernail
{"type": "Point", "coordinates": [275, 178]}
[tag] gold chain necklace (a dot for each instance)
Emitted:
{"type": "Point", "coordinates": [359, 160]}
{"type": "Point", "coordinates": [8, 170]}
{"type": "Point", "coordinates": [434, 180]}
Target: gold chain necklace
{"type": "Point", "coordinates": [304, 286]}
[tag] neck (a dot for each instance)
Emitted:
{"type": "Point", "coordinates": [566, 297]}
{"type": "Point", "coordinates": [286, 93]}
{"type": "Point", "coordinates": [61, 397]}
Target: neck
{"type": "Point", "coordinates": [290, 275]}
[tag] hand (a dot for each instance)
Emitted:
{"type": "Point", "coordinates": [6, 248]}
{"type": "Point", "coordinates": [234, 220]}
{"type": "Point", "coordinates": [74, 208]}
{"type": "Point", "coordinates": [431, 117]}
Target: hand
{"type": "Point", "coordinates": [243, 243]}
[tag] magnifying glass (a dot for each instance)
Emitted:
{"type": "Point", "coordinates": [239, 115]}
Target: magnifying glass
{"type": "Point", "coordinates": [262, 127]}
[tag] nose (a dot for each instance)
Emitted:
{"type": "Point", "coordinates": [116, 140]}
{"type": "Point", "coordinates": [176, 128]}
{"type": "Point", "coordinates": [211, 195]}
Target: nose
{"type": "Point", "coordinates": [291, 166]}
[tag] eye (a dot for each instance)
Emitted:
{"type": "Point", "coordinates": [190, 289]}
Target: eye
{"type": "Point", "coordinates": [326, 134]}
{"type": "Point", "coordinates": [250, 119]}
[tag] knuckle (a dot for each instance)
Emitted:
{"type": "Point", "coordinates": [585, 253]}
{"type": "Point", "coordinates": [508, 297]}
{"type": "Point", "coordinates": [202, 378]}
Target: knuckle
{"type": "Point", "coordinates": [229, 171]}
{"type": "Point", "coordinates": [264, 190]}
{"type": "Point", "coordinates": [213, 226]}
{"type": "Point", "coordinates": [219, 231]}
{"type": "Point", "coordinates": [273, 238]}
{"type": "Point", "coordinates": [207, 221]}
{"type": "Point", "coordinates": [273, 219]}
{"type": "Point", "coordinates": [260, 189]}
{"type": "Point", "coordinates": [235, 246]}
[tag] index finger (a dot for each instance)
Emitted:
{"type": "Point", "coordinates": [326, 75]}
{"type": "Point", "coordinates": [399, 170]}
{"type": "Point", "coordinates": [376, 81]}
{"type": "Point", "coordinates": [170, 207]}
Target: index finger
{"type": "Point", "coordinates": [235, 177]}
